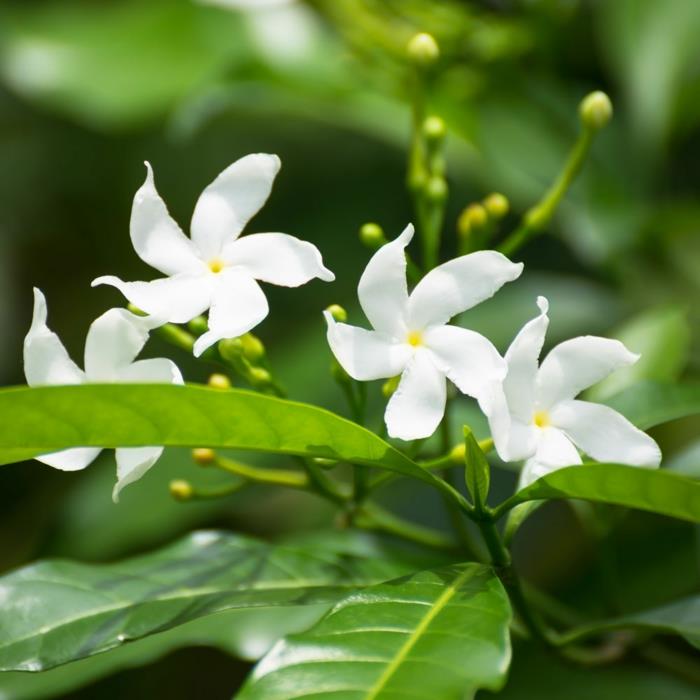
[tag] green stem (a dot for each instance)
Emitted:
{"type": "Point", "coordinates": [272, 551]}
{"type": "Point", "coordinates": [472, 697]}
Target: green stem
{"type": "Point", "coordinates": [277, 477]}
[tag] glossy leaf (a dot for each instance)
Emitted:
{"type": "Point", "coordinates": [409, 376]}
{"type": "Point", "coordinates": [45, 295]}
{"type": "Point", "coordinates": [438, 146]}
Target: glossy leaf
{"type": "Point", "coordinates": [655, 490]}
{"type": "Point", "coordinates": [58, 611]}
{"type": "Point", "coordinates": [436, 634]}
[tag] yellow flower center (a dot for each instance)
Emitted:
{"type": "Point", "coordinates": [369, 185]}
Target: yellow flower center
{"type": "Point", "coordinates": [415, 338]}
{"type": "Point", "coordinates": [541, 419]}
{"type": "Point", "coordinates": [216, 265]}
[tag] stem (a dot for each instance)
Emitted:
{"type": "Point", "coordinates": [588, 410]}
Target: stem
{"type": "Point", "coordinates": [277, 477]}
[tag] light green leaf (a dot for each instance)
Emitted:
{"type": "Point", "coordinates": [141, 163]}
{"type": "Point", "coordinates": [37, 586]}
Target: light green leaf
{"type": "Point", "coordinates": [436, 634]}
{"type": "Point", "coordinates": [477, 471]}
{"type": "Point", "coordinates": [59, 611]}
{"type": "Point", "coordinates": [655, 490]}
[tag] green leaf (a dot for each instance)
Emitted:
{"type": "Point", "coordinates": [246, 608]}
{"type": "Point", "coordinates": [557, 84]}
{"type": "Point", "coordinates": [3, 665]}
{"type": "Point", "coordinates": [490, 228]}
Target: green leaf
{"type": "Point", "coordinates": [59, 611]}
{"type": "Point", "coordinates": [435, 634]}
{"type": "Point", "coordinates": [681, 617]}
{"type": "Point", "coordinates": [648, 404]}
{"type": "Point", "coordinates": [39, 420]}
{"type": "Point", "coordinates": [654, 490]}
{"type": "Point", "coordinates": [477, 471]}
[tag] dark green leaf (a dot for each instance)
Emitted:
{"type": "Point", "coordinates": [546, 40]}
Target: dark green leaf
{"type": "Point", "coordinates": [59, 611]}
{"type": "Point", "coordinates": [477, 472]}
{"type": "Point", "coordinates": [436, 634]}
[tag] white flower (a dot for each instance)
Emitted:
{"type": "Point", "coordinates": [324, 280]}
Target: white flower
{"type": "Point", "coordinates": [534, 414]}
{"type": "Point", "coordinates": [112, 343]}
{"type": "Point", "coordinates": [411, 336]}
{"type": "Point", "coordinates": [215, 269]}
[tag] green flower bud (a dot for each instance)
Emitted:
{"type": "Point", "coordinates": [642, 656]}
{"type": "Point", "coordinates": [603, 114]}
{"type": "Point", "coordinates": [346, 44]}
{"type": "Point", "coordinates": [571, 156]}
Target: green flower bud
{"type": "Point", "coordinates": [230, 348]}
{"type": "Point", "coordinates": [596, 110]}
{"type": "Point", "coordinates": [457, 453]}
{"type": "Point", "coordinates": [338, 312]}
{"type": "Point", "coordinates": [253, 349]}
{"type": "Point", "coordinates": [198, 325]}
{"type": "Point", "coordinates": [436, 189]}
{"type": "Point", "coordinates": [181, 490]}
{"type": "Point", "coordinates": [473, 218]}
{"type": "Point", "coordinates": [496, 205]}
{"type": "Point", "coordinates": [202, 456]}
{"type": "Point", "coordinates": [219, 381]}
{"type": "Point", "coordinates": [259, 376]}
{"type": "Point", "coordinates": [423, 50]}
{"type": "Point", "coordinates": [390, 386]}
{"type": "Point", "coordinates": [434, 129]}
{"type": "Point", "coordinates": [372, 235]}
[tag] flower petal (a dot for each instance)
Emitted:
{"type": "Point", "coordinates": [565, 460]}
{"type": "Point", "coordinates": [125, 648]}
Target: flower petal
{"type": "Point", "coordinates": [513, 439]}
{"type": "Point", "coordinates": [554, 451]}
{"type": "Point", "coordinates": [157, 239]}
{"type": "Point", "coordinates": [576, 364]}
{"type": "Point", "coordinates": [155, 371]}
{"type": "Point", "coordinates": [175, 299]}
{"type": "Point", "coordinates": [366, 355]}
{"type": "Point", "coordinates": [132, 464]}
{"type": "Point", "coordinates": [522, 359]}
{"type": "Point", "coordinates": [46, 361]}
{"type": "Point", "coordinates": [277, 258]}
{"type": "Point", "coordinates": [605, 434]}
{"type": "Point", "coordinates": [238, 305]}
{"type": "Point", "coordinates": [71, 460]}
{"type": "Point", "coordinates": [417, 406]}
{"type": "Point", "coordinates": [382, 289]}
{"type": "Point", "coordinates": [457, 285]}
{"type": "Point", "coordinates": [231, 200]}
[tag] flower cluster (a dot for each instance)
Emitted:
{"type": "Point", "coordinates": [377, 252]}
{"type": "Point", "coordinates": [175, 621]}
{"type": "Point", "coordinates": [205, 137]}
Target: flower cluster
{"type": "Point", "coordinates": [532, 409]}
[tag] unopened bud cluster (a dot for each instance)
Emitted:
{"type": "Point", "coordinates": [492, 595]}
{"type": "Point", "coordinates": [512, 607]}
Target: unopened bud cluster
{"type": "Point", "coordinates": [423, 50]}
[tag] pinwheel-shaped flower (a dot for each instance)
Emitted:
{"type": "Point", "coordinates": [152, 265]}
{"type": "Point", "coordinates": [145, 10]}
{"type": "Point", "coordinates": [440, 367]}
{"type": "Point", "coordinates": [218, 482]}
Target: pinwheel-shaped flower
{"type": "Point", "coordinates": [113, 342]}
{"type": "Point", "coordinates": [535, 415]}
{"type": "Point", "coordinates": [411, 337]}
{"type": "Point", "coordinates": [216, 269]}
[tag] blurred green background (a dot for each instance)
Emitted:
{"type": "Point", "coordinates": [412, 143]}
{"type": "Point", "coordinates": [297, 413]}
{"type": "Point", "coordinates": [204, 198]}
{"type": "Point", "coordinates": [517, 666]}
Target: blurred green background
{"type": "Point", "coordinates": [89, 90]}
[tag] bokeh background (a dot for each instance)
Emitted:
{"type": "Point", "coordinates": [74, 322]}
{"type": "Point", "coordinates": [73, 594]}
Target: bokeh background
{"type": "Point", "coordinates": [89, 90]}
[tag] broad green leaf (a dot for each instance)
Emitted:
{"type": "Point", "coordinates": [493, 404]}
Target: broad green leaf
{"type": "Point", "coordinates": [434, 634]}
{"type": "Point", "coordinates": [681, 617]}
{"type": "Point", "coordinates": [477, 471]}
{"type": "Point", "coordinates": [655, 490]}
{"type": "Point", "coordinates": [59, 611]}
{"type": "Point", "coordinates": [39, 420]}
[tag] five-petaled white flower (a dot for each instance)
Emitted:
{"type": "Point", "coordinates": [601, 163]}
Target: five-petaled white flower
{"type": "Point", "coordinates": [113, 342]}
{"type": "Point", "coordinates": [216, 269]}
{"type": "Point", "coordinates": [411, 336]}
{"type": "Point", "coordinates": [534, 414]}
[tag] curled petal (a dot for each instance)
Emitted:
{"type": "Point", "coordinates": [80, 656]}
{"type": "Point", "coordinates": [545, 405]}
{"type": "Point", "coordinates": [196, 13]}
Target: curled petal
{"type": "Point", "coordinates": [238, 305]}
{"type": "Point", "coordinates": [382, 289]}
{"type": "Point", "coordinates": [554, 451]}
{"type": "Point", "coordinates": [132, 464]}
{"type": "Point", "coordinates": [46, 361]}
{"type": "Point", "coordinates": [231, 200]}
{"type": "Point", "coordinates": [417, 406]}
{"type": "Point", "coordinates": [605, 434]}
{"type": "Point", "coordinates": [155, 371]}
{"type": "Point", "coordinates": [157, 239]}
{"type": "Point", "coordinates": [175, 299]}
{"type": "Point", "coordinates": [278, 258]}
{"type": "Point", "coordinates": [576, 364]}
{"type": "Point", "coordinates": [457, 285]}
{"type": "Point", "coordinates": [366, 355]}
{"type": "Point", "coordinates": [71, 460]}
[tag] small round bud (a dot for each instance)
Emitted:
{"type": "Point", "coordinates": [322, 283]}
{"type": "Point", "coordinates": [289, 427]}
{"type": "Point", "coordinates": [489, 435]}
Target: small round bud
{"type": "Point", "coordinates": [203, 456]}
{"type": "Point", "coordinates": [198, 325]}
{"type": "Point", "coordinates": [496, 205]}
{"type": "Point", "coordinates": [457, 453]}
{"type": "Point", "coordinates": [219, 381]}
{"type": "Point", "coordinates": [259, 376]}
{"type": "Point", "coordinates": [338, 313]}
{"type": "Point", "coordinates": [434, 129]}
{"type": "Point", "coordinates": [372, 235]}
{"type": "Point", "coordinates": [472, 218]}
{"type": "Point", "coordinates": [181, 490]}
{"type": "Point", "coordinates": [253, 349]}
{"type": "Point", "coordinates": [436, 189]}
{"type": "Point", "coordinates": [423, 50]}
{"type": "Point", "coordinates": [230, 348]}
{"type": "Point", "coordinates": [596, 110]}
{"type": "Point", "coordinates": [390, 386]}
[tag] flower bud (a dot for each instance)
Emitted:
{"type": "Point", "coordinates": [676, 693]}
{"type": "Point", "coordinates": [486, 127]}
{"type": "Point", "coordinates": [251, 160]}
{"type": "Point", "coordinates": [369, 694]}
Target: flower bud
{"type": "Point", "coordinates": [181, 490]}
{"type": "Point", "coordinates": [434, 130]}
{"type": "Point", "coordinates": [230, 348]}
{"type": "Point", "coordinates": [203, 456]}
{"type": "Point", "coordinates": [198, 325]}
{"type": "Point", "coordinates": [596, 110]}
{"type": "Point", "coordinates": [423, 50]}
{"type": "Point", "coordinates": [436, 189]}
{"type": "Point", "coordinates": [259, 376]}
{"type": "Point", "coordinates": [372, 235]}
{"type": "Point", "coordinates": [338, 313]}
{"type": "Point", "coordinates": [253, 349]}
{"type": "Point", "coordinates": [219, 381]}
{"type": "Point", "coordinates": [457, 453]}
{"type": "Point", "coordinates": [473, 218]}
{"type": "Point", "coordinates": [496, 205]}
{"type": "Point", "coordinates": [390, 386]}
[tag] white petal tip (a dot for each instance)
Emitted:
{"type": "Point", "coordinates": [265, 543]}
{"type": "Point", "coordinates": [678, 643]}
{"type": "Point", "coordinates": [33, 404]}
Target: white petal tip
{"type": "Point", "coordinates": [204, 342]}
{"type": "Point", "coordinates": [543, 304]}
{"type": "Point", "coordinates": [406, 235]}
{"type": "Point", "coordinates": [329, 319]}
{"type": "Point", "coordinates": [326, 275]}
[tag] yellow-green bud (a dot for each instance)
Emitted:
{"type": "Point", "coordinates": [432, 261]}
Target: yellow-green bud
{"type": "Point", "coordinates": [496, 205]}
{"type": "Point", "coordinates": [390, 386]}
{"type": "Point", "coordinates": [338, 313]}
{"type": "Point", "coordinates": [473, 217]}
{"type": "Point", "coordinates": [230, 348]}
{"type": "Point", "coordinates": [423, 50]}
{"type": "Point", "coordinates": [457, 453]}
{"type": "Point", "coordinates": [596, 110]}
{"type": "Point", "coordinates": [219, 381]}
{"type": "Point", "coordinates": [372, 235]}
{"type": "Point", "coordinates": [181, 490]}
{"type": "Point", "coordinates": [436, 189]}
{"type": "Point", "coordinates": [259, 376]}
{"type": "Point", "coordinates": [434, 129]}
{"type": "Point", "coordinates": [253, 349]}
{"type": "Point", "coordinates": [203, 456]}
{"type": "Point", "coordinates": [198, 325]}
